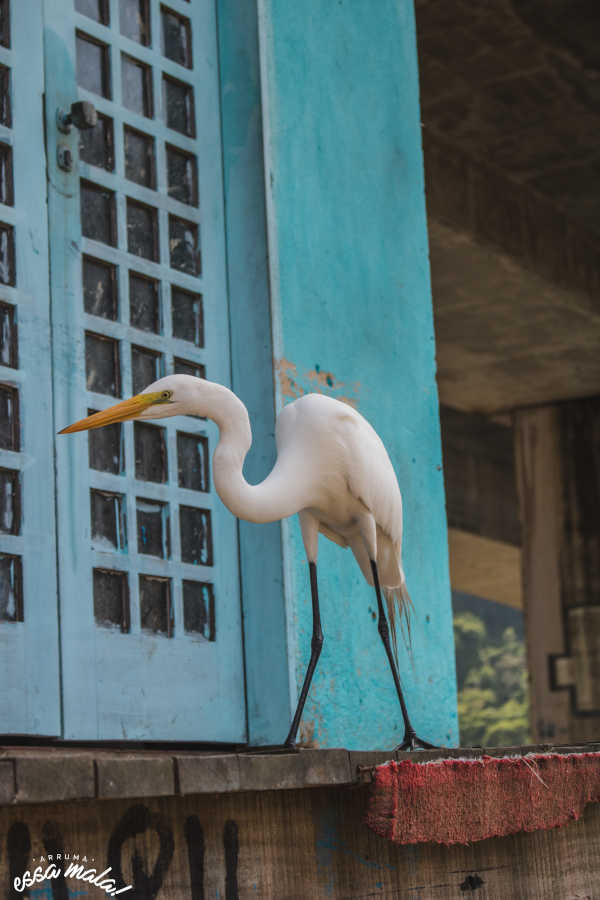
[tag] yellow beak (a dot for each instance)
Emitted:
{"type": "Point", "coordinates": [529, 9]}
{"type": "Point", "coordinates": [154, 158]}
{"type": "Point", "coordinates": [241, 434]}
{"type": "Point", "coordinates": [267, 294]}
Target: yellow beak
{"type": "Point", "coordinates": [120, 412]}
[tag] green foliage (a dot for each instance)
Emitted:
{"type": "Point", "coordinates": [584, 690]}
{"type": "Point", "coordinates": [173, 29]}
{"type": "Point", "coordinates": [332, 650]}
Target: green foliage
{"type": "Point", "coordinates": [493, 700]}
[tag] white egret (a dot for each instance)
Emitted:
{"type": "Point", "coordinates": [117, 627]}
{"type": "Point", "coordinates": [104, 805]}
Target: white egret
{"type": "Point", "coordinates": [332, 469]}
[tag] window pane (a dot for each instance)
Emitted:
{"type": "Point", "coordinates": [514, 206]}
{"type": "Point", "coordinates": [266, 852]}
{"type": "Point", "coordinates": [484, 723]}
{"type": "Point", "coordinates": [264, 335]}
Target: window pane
{"type": "Point", "coordinates": [150, 452]}
{"type": "Point", "coordinates": [139, 157]}
{"type": "Point", "coordinates": [185, 367]}
{"type": "Point", "coordinates": [192, 461]}
{"type": "Point", "coordinates": [10, 502]}
{"type": "Point", "coordinates": [6, 175]}
{"type": "Point", "coordinates": [102, 365]}
{"type": "Point", "coordinates": [177, 38]}
{"type": "Point", "coordinates": [153, 528]}
{"type": "Point", "coordinates": [7, 254]}
{"type": "Point", "coordinates": [98, 217]}
{"type": "Point", "coordinates": [97, 144]}
{"type": "Point", "coordinates": [111, 599]}
{"type": "Point", "coordinates": [199, 609]}
{"type": "Point", "coordinates": [156, 612]}
{"type": "Point", "coordinates": [179, 106]}
{"type": "Point", "coordinates": [136, 86]}
{"type": "Point", "coordinates": [196, 536]}
{"type": "Point", "coordinates": [95, 9]}
{"type": "Point", "coordinates": [184, 249]}
{"type": "Point", "coordinates": [11, 588]}
{"type": "Point", "coordinates": [99, 288]}
{"type": "Point", "coordinates": [182, 178]}
{"type": "Point", "coordinates": [135, 21]}
{"type": "Point", "coordinates": [5, 23]}
{"type": "Point", "coordinates": [9, 418]}
{"type": "Point", "coordinates": [146, 367]}
{"type": "Point", "coordinates": [142, 230]}
{"type": "Point", "coordinates": [93, 71]}
{"type": "Point", "coordinates": [109, 525]}
{"type": "Point", "coordinates": [5, 104]}
{"type": "Point", "coordinates": [106, 449]}
{"type": "Point", "coordinates": [8, 336]}
{"type": "Point", "coordinates": [188, 316]}
{"type": "Point", "coordinates": [144, 303]}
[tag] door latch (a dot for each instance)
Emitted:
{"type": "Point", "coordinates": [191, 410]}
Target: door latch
{"type": "Point", "coordinates": [64, 158]}
{"type": "Point", "coordinates": [82, 115]}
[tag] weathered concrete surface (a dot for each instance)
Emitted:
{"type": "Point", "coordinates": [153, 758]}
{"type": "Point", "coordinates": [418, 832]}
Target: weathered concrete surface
{"type": "Point", "coordinates": [510, 114]}
{"type": "Point", "coordinates": [288, 845]}
{"type": "Point", "coordinates": [352, 317]}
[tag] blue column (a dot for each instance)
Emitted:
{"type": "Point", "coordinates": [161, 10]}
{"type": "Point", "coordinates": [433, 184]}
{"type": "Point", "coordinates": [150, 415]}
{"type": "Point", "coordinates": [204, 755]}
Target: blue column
{"type": "Point", "coordinates": [352, 317]}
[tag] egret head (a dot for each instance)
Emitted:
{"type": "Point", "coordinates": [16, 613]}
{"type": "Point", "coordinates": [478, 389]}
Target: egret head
{"type": "Point", "coordinates": [172, 395]}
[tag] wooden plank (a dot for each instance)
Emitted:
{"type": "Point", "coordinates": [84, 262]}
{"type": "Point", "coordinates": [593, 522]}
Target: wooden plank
{"type": "Point", "coordinates": [485, 568]}
{"type": "Point", "coordinates": [288, 845]}
{"type": "Point", "coordinates": [538, 476]}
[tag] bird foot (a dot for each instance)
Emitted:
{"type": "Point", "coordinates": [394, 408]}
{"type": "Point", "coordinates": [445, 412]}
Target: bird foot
{"type": "Point", "coordinates": [413, 742]}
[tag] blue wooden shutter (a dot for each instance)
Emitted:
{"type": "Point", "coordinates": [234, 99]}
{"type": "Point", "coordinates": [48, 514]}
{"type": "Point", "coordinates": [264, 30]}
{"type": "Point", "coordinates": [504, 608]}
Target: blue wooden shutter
{"type": "Point", "coordinates": [148, 557]}
{"type": "Point", "coordinates": [29, 673]}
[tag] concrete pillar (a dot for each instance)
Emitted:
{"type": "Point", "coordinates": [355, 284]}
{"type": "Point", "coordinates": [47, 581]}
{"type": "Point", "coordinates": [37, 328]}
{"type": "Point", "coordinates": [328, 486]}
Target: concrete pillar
{"type": "Point", "coordinates": [352, 317]}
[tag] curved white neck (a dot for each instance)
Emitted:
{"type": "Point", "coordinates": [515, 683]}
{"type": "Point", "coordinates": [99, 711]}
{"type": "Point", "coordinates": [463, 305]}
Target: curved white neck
{"type": "Point", "coordinates": [268, 501]}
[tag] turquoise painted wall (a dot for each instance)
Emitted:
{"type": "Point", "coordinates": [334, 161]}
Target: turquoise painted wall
{"type": "Point", "coordinates": [352, 316]}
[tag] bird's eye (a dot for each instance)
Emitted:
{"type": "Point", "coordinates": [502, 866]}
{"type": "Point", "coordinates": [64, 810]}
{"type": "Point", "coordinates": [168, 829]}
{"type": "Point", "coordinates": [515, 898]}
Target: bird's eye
{"type": "Point", "coordinates": [166, 395]}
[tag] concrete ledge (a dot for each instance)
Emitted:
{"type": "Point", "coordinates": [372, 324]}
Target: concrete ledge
{"type": "Point", "coordinates": [62, 774]}
{"type": "Point", "coordinates": [135, 776]}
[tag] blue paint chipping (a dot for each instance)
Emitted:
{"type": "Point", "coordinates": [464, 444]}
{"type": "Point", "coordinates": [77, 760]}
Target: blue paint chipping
{"type": "Point", "coordinates": [350, 287]}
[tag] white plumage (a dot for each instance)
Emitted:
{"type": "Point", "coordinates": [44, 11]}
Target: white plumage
{"type": "Point", "coordinates": [332, 469]}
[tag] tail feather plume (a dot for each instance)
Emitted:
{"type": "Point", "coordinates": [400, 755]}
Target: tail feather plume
{"type": "Point", "coordinates": [399, 609]}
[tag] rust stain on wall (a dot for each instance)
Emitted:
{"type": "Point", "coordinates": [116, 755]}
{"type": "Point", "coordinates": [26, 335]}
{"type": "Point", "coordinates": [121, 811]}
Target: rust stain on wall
{"type": "Point", "coordinates": [294, 384]}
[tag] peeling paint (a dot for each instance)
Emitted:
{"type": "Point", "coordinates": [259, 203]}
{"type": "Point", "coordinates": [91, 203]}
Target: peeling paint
{"type": "Point", "coordinates": [293, 385]}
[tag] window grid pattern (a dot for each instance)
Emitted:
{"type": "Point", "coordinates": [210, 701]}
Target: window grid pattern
{"type": "Point", "coordinates": [11, 459]}
{"type": "Point", "coordinates": [143, 313]}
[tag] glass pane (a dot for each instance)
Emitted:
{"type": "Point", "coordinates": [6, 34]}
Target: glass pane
{"type": "Point", "coordinates": [9, 418]}
{"type": "Point", "coordinates": [150, 452]}
{"type": "Point", "coordinates": [6, 175]}
{"type": "Point", "coordinates": [136, 79]}
{"type": "Point", "coordinates": [93, 71]}
{"type": "Point", "coordinates": [184, 248]}
{"type": "Point", "coordinates": [142, 230]}
{"type": "Point", "coordinates": [182, 177]}
{"type": "Point", "coordinates": [8, 336]}
{"type": "Point", "coordinates": [146, 367]}
{"type": "Point", "coordinates": [177, 38]}
{"type": "Point", "coordinates": [156, 613]}
{"type": "Point", "coordinates": [98, 218]}
{"type": "Point", "coordinates": [192, 461]}
{"type": "Point", "coordinates": [179, 106]}
{"type": "Point", "coordinates": [109, 526]}
{"type": "Point", "coordinates": [99, 288]}
{"type": "Point", "coordinates": [188, 316]}
{"type": "Point", "coordinates": [199, 609]}
{"type": "Point", "coordinates": [10, 502]}
{"type": "Point", "coordinates": [102, 365]}
{"type": "Point", "coordinates": [5, 105]}
{"type": "Point", "coordinates": [185, 367]}
{"type": "Point", "coordinates": [11, 589]}
{"type": "Point", "coordinates": [5, 23]}
{"type": "Point", "coordinates": [111, 599]}
{"type": "Point", "coordinates": [196, 536]}
{"type": "Point", "coordinates": [139, 158]}
{"type": "Point", "coordinates": [97, 144]}
{"type": "Point", "coordinates": [135, 21]}
{"type": "Point", "coordinates": [144, 303]}
{"type": "Point", "coordinates": [105, 448]}
{"type": "Point", "coordinates": [7, 254]}
{"type": "Point", "coordinates": [153, 528]}
{"type": "Point", "coordinates": [95, 9]}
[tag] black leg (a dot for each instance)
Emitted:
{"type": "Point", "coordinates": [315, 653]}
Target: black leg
{"type": "Point", "coordinates": [315, 651]}
{"type": "Point", "coordinates": [411, 741]}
